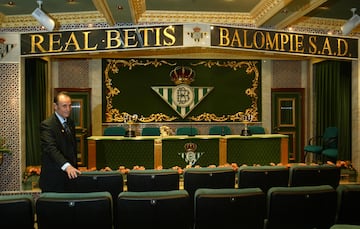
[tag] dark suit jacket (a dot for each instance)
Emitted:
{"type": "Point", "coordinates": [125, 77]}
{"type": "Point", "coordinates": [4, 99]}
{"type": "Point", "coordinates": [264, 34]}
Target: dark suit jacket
{"type": "Point", "coordinates": [57, 149]}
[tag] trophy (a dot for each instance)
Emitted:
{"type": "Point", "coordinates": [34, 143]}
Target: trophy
{"type": "Point", "coordinates": [130, 119]}
{"type": "Point", "coordinates": [246, 120]}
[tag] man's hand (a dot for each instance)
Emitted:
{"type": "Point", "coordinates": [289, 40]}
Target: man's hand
{"type": "Point", "coordinates": [72, 172]}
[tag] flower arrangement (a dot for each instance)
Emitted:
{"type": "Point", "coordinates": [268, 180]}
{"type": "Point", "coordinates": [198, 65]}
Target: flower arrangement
{"type": "Point", "coordinates": [31, 171]}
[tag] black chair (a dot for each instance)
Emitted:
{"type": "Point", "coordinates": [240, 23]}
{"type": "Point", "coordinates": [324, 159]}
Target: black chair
{"type": "Point", "coordinates": [98, 181]}
{"type": "Point", "coordinates": [17, 211]}
{"type": "Point", "coordinates": [348, 204]}
{"type": "Point", "coordinates": [219, 177]}
{"type": "Point", "coordinates": [74, 210]}
{"type": "Point", "coordinates": [305, 207]}
{"type": "Point", "coordinates": [263, 177]}
{"type": "Point", "coordinates": [152, 180]}
{"type": "Point", "coordinates": [305, 175]}
{"type": "Point", "coordinates": [229, 208]}
{"type": "Point", "coordinates": [344, 226]}
{"type": "Point", "coordinates": [161, 210]}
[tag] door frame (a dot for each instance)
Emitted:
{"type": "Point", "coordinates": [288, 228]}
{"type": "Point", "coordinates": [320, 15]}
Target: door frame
{"type": "Point", "coordinates": [300, 91]}
{"type": "Point", "coordinates": [81, 139]}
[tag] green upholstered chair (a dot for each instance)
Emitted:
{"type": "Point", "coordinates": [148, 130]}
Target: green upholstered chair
{"type": "Point", "coordinates": [344, 226]}
{"type": "Point", "coordinates": [219, 177]}
{"type": "Point", "coordinates": [263, 177]}
{"type": "Point", "coordinates": [219, 130]}
{"type": "Point", "coordinates": [152, 180]}
{"type": "Point", "coordinates": [98, 181]}
{"type": "Point", "coordinates": [348, 204]}
{"type": "Point", "coordinates": [316, 144]}
{"type": "Point", "coordinates": [17, 211]}
{"type": "Point", "coordinates": [310, 175]}
{"type": "Point", "coordinates": [256, 129]}
{"type": "Point", "coordinates": [187, 131]}
{"type": "Point", "coordinates": [74, 210]}
{"type": "Point", "coordinates": [303, 207]}
{"type": "Point", "coordinates": [161, 210]}
{"type": "Point", "coordinates": [229, 208]}
{"type": "Point", "coordinates": [150, 131]}
{"type": "Point", "coordinates": [114, 131]}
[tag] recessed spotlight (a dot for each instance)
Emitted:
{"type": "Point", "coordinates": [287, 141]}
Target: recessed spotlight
{"type": "Point", "coordinates": [11, 3]}
{"type": "Point", "coordinates": [120, 7]}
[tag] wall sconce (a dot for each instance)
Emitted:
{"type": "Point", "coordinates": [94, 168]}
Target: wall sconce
{"type": "Point", "coordinates": [44, 19]}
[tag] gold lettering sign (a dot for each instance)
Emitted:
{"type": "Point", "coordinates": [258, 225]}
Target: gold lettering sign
{"type": "Point", "coordinates": [283, 42]}
{"type": "Point", "coordinates": [61, 42]}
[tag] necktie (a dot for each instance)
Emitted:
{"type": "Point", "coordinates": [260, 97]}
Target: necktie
{"type": "Point", "coordinates": [67, 129]}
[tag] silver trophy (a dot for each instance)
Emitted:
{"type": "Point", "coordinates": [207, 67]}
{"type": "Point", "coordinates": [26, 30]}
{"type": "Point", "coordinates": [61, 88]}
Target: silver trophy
{"type": "Point", "coordinates": [130, 120]}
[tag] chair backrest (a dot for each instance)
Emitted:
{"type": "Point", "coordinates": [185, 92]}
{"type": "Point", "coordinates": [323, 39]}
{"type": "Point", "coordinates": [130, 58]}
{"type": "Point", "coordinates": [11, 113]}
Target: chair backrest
{"type": "Point", "coordinates": [348, 204]}
{"type": "Point", "coordinates": [330, 137]}
{"type": "Point", "coordinates": [150, 131]}
{"type": "Point", "coordinates": [301, 207]}
{"type": "Point", "coordinates": [98, 181]}
{"type": "Point", "coordinates": [307, 175]}
{"type": "Point", "coordinates": [17, 211]}
{"type": "Point", "coordinates": [152, 180]}
{"type": "Point", "coordinates": [187, 131]}
{"type": "Point", "coordinates": [263, 177]}
{"type": "Point", "coordinates": [163, 210]}
{"type": "Point", "coordinates": [219, 130]}
{"type": "Point", "coordinates": [256, 129]}
{"type": "Point", "coordinates": [219, 177]}
{"type": "Point", "coordinates": [114, 131]}
{"type": "Point", "coordinates": [230, 208]}
{"type": "Point", "coordinates": [74, 210]}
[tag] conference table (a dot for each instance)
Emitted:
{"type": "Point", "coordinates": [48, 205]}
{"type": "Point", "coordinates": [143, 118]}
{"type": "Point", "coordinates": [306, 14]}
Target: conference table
{"type": "Point", "coordinates": [154, 151]}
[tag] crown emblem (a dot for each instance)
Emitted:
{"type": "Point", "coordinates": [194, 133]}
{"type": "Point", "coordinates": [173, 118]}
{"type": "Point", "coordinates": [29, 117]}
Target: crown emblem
{"type": "Point", "coordinates": [190, 147]}
{"type": "Point", "coordinates": [182, 75]}
{"type": "Point", "coordinates": [196, 29]}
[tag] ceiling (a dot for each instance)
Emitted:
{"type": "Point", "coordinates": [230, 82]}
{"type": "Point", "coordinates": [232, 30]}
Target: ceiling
{"type": "Point", "coordinates": [299, 15]}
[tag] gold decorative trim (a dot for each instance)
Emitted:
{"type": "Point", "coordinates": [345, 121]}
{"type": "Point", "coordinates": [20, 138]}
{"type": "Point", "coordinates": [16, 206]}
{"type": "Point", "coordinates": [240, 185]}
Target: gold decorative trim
{"type": "Point", "coordinates": [138, 8]}
{"type": "Point", "coordinates": [209, 117]}
{"type": "Point", "coordinates": [195, 17]}
{"type": "Point", "coordinates": [114, 115]}
{"type": "Point", "coordinates": [103, 7]}
{"type": "Point", "coordinates": [251, 92]}
{"type": "Point", "coordinates": [160, 117]}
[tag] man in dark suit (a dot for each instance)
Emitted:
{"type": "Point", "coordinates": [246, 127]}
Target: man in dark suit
{"type": "Point", "coordinates": [58, 145]}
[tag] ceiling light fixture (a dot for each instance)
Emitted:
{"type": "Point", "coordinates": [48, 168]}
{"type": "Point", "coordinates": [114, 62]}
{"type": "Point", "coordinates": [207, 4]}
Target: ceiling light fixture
{"type": "Point", "coordinates": [351, 23]}
{"type": "Point", "coordinates": [44, 19]}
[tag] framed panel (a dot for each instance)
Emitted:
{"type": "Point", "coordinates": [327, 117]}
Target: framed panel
{"type": "Point", "coordinates": [286, 112]}
{"type": "Point", "coordinates": [77, 112]}
{"type": "Point", "coordinates": [80, 149]}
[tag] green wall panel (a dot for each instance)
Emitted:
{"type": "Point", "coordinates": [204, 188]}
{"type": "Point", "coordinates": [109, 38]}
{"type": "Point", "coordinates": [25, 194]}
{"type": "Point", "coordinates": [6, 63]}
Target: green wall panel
{"type": "Point", "coordinates": [127, 88]}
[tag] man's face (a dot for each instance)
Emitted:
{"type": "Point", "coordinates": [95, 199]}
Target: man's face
{"type": "Point", "coordinates": [63, 106]}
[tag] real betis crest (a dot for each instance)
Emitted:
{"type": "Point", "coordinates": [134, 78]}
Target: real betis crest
{"type": "Point", "coordinates": [182, 98]}
{"type": "Point", "coordinates": [5, 48]}
{"type": "Point", "coordinates": [191, 156]}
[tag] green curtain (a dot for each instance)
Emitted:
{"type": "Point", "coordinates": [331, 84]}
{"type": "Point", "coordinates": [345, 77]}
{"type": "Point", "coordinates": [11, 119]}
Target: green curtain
{"type": "Point", "coordinates": [35, 107]}
{"type": "Point", "coordinates": [333, 102]}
